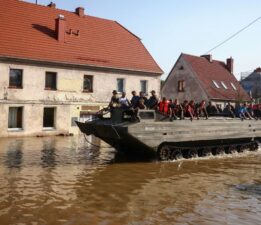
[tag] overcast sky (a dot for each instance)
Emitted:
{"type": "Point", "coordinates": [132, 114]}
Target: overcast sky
{"type": "Point", "coordinates": [169, 27]}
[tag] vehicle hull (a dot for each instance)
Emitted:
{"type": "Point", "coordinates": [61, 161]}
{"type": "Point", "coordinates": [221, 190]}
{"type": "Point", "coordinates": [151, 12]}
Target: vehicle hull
{"type": "Point", "coordinates": [147, 137]}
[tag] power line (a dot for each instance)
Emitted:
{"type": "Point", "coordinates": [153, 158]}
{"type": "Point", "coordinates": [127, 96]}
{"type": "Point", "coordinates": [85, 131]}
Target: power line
{"type": "Point", "coordinates": [232, 36]}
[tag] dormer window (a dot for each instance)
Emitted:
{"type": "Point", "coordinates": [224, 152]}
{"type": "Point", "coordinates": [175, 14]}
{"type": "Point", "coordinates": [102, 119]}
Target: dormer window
{"type": "Point", "coordinates": [216, 84]}
{"type": "Point", "coordinates": [224, 85]}
{"type": "Point", "coordinates": [233, 86]}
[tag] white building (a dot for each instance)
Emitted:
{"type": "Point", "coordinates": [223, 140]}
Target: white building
{"type": "Point", "coordinates": [58, 66]}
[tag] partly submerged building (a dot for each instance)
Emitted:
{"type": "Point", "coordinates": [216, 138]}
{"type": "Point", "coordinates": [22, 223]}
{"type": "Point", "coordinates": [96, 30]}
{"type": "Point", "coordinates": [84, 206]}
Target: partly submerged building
{"type": "Point", "coordinates": [202, 78]}
{"type": "Point", "coordinates": [252, 84]}
{"type": "Point", "coordinates": [57, 66]}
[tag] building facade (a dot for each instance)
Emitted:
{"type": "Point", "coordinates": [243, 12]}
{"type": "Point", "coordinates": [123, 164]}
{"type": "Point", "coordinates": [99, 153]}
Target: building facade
{"type": "Point", "coordinates": [58, 66]}
{"type": "Point", "coordinates": [202, 78]}
{"type": "Point", "coordinates": [252, 84]}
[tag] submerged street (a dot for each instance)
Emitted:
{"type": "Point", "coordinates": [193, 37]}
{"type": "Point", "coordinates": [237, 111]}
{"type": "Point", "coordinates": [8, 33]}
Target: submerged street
{"type": "Point", "coordinates": [61, 180]}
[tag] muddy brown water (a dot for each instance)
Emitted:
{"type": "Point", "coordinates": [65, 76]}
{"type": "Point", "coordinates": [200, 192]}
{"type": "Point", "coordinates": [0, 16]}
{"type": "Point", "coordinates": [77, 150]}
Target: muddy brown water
{"type": "Point", "coordinates": [66, 181]}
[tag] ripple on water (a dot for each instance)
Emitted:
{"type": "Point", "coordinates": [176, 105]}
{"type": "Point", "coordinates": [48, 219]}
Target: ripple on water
{"type": "Point", "coordinates": [64, 181]}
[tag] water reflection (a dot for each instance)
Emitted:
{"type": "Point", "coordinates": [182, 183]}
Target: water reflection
{"type": "Point", "coordinates": [66, 181]}
{"type": "Point", "coordinates": [14, 154]}
{"type": "Point", "coordinates": [48, 154]}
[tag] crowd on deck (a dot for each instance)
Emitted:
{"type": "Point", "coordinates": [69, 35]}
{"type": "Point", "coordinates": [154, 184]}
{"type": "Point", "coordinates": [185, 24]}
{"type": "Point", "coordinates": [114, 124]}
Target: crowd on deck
{"type": "Point", "coordinates": [176, 110]}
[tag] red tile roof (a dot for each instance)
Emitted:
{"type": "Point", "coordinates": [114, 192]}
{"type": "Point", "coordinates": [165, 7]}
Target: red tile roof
{"type": "Point", "coordinates": [28, 31]}
{"type": "Point", "coordinates": [207, 71]}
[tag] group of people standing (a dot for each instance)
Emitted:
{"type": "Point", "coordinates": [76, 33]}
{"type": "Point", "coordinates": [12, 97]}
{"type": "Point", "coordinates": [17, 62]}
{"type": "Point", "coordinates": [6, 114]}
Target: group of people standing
{"type": "Point", "coordinates": [175, 110]}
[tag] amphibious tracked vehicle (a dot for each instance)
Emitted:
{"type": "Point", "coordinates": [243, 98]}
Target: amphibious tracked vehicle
{"type": "Point", "coordinates": [150, 132]}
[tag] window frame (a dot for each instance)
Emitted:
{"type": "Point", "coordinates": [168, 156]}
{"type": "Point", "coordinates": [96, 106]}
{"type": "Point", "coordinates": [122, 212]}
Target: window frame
{"type": "Point", "coordinates": [86, 90]}
{"type": "Point", "coordinates": [123, 85]}
{"type": "Point", "coordinates": [16, 86]}
{"type": "Point", "coordinates": [50, 88]}
{"type": "Point", "coordinates": [233, 86]}
{"type": "Point", "coordinates": [17, 128]}
{"type": "Point", "coordinates": [146, 86]}
{"type": "Point", "coordinates": [216, 84]}
{"type": "Point", "coordinates": [54, 118]}
{"type": "Point", "coordinates": [224, 85]}
{"type": "Point", "coordinates": [181, 86]}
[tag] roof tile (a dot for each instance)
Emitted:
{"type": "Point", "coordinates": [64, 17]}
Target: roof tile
{"type": "Point", "coordinates": [216, 70]}
{"type": "Point", "coordinates": [28, 31]}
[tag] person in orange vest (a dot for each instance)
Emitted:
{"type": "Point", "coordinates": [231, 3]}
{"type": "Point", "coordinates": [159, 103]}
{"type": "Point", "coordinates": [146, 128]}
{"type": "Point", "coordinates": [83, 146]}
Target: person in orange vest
{"type": "Point", "coordinates": [164, 106]}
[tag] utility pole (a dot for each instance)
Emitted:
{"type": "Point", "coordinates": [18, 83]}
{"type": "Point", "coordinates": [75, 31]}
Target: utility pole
{"type": "Point", "coordinates": [36, 2]}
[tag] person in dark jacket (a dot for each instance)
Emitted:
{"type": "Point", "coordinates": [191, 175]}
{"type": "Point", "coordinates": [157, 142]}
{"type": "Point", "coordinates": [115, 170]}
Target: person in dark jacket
{"type": "Point", "coordinates": [211, 109]}
{"type": "Point", "coordinates": [176, 110]}
{"type": "Point", "coordinates": [153, 101]}
{"type": "Point", "coordinates": [229, 110]}
{"type": "Point", "coordinates": [135, 99]}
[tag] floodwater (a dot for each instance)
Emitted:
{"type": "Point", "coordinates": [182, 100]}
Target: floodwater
{"type": "Point", "coordinates": [63, 180]}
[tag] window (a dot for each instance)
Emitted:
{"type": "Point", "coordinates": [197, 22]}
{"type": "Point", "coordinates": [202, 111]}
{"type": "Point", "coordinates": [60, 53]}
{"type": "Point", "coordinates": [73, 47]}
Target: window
{"type": "Point", "coordinates": [181, 84]}
{"type": "Point", "coordinates": [224, 85]}
{"type": "Point", "coordinates": [16, 78]}
{"type": "Point", "coordinates": [49, 118]}
{"type": "Point", "coordinates": [50, 81]}
{"type": "Point", "coordinates": [88, 83]}
{"type": "Point", "coordinates": [15, 117]}
{"type": "Point", "coordinates": [233, 86]}
{"type": "Point", "coordinates": [215, 83]}
{"type": "Point", "coordinates": [120, 85]}
{"type": "Point", "coordinates": [144, 86]}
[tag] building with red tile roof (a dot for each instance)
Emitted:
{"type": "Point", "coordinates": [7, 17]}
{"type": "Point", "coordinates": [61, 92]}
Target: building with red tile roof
{"type": "Point", "coordinates": [202, 78]}
{"type": "Point", "coordinates": [29, 31]}
{"type": "Point", "coordinates": [58, 66]}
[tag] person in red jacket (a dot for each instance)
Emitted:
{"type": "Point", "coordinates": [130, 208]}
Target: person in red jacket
{"type": "Point", "coordinates": [164, 106]}
{"type": "Point", "coordinates": [189, 108]}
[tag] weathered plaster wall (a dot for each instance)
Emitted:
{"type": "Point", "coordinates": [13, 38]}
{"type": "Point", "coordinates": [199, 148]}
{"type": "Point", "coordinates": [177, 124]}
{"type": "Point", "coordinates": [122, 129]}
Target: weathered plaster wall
{"type": "Point", "coordinates": [68, 99]}
{"type": "Point", "coordinates": [33, 120]}
{"type": "Point", "coordinates": [192, 88]}
{"type": "Point", "coordinates": [69, 84]}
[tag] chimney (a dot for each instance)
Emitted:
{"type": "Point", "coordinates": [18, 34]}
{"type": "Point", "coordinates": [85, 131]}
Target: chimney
{"type": "Point", "coordinates": [257, 70]}
{"type": "Point", "coordinates": [79, 11]}
{"type": "Point", "coordinates": [60, 28]}
{"type": "Point", "coordinates": [208, 57]}
{"type": "Point", "coordinates": [230, 64]}
{"type": "Point", "coordinates": [52, 5]}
